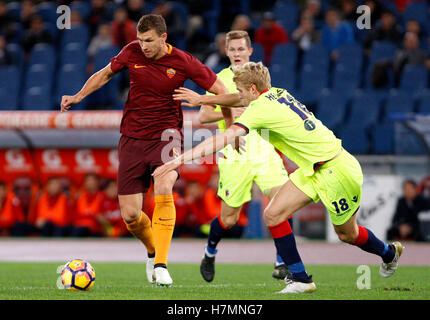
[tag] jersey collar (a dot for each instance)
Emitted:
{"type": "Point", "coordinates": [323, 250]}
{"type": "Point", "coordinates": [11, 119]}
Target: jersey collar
{"type": "Point", "coordinates": [169, 48]}
{"type": "Point", "coordinates": [264, 91]}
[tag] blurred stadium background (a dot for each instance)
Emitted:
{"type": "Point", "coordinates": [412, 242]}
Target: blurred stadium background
{"type": "Point", "coordinates": [371, 87]}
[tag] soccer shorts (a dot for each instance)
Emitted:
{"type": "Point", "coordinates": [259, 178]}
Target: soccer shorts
{"type": "Point", "coordinates": [337, 183]}
{"type": "Point", "coordinates": [236, 177]}
{"type": "Point", "coordinates": [139, 158]}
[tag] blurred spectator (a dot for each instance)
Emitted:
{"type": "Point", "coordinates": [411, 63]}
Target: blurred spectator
{"type": "Point", "coordinates": [349, 10]}
{"type": "Point", "coordinates": [53, 210]}
{"type": "Point", "coordinates": [376, 10]}
{"type": "Point", "coordinates": [386, 30]}
{"type": "Point", "coordinates": [415, 27]}
{"type": "Point", "coordinates": [305, 35]}
{"type": "Point", "coordinates": [175, 26]}
{"type": "Point", "coordinates": [196, 10]}
{"type": "Point", "coordinates": [218, 58]}
{"type": "Point", "coordinates": [5, 56]}
{"type": "Point", "coordinates": [7, 22]}
{"type": "Point", "coordinates": [110, 214]}
{"type": "Point", "coordinates": [405, 223]}
{"type": "Point", "coordinates": [76, 19]}
{"type": "Point", "coordinates": [36, 34]}
{"type": "Point", "coordinates": [243, 23]}
{"type": "Point", "coordinates": [314, 11]}
{"type": "Point", "coordinates": [99, 14]}
{"type": "Point", "coordinates": [212, 203]}
{"type": "Point", "coordinates": [88, 204]}
{"type": "Point", "coordinates": [28, 9]}
{"type": "Point", "coordinates": [190, 214]}
{"type": "Point", "coordinates": [269, 35]}
{"type": "Point", "coordinates": [336, 33]}
{"type": "Point", "coordinates": [136, 9]}
{"type": "Point", "coordinates": [22, 189]}
{"type": "Point", "coordinates": [411, 53]}
{"type": "Point", "coordinates": [102, 40]}
{"type": "Point", "coordinates": [11, 214]}
{"type": "Point", "coordinates": [123, 28]}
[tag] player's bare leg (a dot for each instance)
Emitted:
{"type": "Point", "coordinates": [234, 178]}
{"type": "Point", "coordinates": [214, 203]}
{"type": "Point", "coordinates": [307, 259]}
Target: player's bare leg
{"type": "Point", "coordinates": [163, 223]}
{"type": "Point", "coordinates": [227, 219]}
{"type": "Point", "coordinates": [350, 232]}
{"type": "Point", "coordinates": [285, 202]}
{"type": "Point", "coordinates": [139, 225]}
{"type": "Point", "coordinates": [280, 271]}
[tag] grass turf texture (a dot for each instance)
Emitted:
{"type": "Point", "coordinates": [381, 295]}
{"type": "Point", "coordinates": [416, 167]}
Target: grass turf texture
{"type": "Point", "coordinates": [128, 281]}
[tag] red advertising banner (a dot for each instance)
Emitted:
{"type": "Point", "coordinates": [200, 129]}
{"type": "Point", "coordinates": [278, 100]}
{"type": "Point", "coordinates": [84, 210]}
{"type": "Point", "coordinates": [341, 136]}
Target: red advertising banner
{"type": "Point", "coordinates": [71, 163]}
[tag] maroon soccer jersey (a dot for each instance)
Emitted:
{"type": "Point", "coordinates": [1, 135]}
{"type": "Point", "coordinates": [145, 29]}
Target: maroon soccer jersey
{"type": "Point", "coordinates": [150, 108]}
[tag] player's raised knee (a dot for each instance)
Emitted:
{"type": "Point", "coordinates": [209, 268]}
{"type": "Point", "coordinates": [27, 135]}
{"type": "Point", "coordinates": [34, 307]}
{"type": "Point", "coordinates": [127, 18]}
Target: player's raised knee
{"type": "Point", "coordinates": [229, 221]}
{"type": "Point", "coordinates": [347, 237]}
{"type": "Point", "coordinates": [271, 216]}
{"type": "Point", "coordinates": [129, 213]}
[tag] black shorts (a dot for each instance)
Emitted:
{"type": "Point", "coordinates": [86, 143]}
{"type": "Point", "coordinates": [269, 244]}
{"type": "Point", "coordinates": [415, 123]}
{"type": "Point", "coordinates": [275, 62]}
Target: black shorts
{"type": "Point", "coordinates": [139, 158]}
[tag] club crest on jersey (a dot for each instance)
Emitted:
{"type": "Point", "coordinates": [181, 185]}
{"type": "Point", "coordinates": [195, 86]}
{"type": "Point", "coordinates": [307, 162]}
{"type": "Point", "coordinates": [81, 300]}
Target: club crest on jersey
{"type": "Point", "coordinates": [309, 125]}
{"type": "Point", "coordinates": [171, 72]}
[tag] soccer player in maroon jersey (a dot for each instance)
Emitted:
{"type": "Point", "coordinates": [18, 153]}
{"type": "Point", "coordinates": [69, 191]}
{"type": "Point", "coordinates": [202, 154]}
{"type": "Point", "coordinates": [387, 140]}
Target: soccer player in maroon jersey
{"type": "Point", "coordinates": [156, 70]}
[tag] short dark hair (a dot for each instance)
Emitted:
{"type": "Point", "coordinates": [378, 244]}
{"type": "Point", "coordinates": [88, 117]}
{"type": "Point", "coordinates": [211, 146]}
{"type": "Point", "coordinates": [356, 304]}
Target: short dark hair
{"type": "Point", "coordinates": [409, 181]}
{"type": "Point", "coordinates": [152, 21]}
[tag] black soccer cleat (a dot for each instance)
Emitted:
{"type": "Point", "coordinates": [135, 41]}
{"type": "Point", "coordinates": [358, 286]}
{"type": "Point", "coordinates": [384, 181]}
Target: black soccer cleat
{"type": "Point", "coordinates": [280, 272]}
{"type": "Point", "coordinates": [207, 268]}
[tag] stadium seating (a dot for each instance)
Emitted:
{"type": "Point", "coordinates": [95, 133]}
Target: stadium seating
{"type": "Point", "coordinates": [17, 54]}
{"type": "Point", "coordinates": [258, 53]}
{"type": "Point", "coordinates": [84, 8]}
{"type": "Point", "coordinates": [331, 109]}
{"type": "Point", "coordinates": [414, 78]}
{"type": "Point", "coordinates": [424, 102]}
{"type": "Point", "coordinates": [287, 14]}
{"type": "Point", "coordinates": [283, 77]}
{"type": "Point", "coordinates": [182, 9]}
{"type": "Point", "coordinates": [70, 79]}
{"type": "Point", "coordinates": [48, 10]}
{"type": "Point", "coordinates": [78, 34]}
{"type": "Point", "coordinates": [285, 55]}
{"type": "Point", "coordinates": [37, 98]}
{"type": "Point", "coordinates": [383, 138]}
{"type": "Point", "coordinates": [109, 94]}
{"type": "Point", "coordinates": [74, 53]}
{"type": "Point", "coordinates": [10, 77]}
{"type": "Point", "coordinates": [346, 79]}
{"type": "Point", "coordinates": [397, 102]}
{"type": "Point", "coordinates": [354, 138]}
{"type": "Point", "coordinates": [417, 11]}
{"type": "Point", "coordinates": [364, 112]}
{"type": "Point", "coordinates": [318, 57]}
{"type": "Point", "coordinates": [312, 81]}
{"type": "Point", "coordinates": [14, 8]}
{"type": "Point", "coordinates": [43, 54]}
{"type": "Point", "coordinates": [38, 75]}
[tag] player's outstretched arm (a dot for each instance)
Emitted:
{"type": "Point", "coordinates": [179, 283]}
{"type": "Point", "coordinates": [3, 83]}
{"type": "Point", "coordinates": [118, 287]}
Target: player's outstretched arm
{"type": "Point", "coordinates": [205, 148]}
{"type": "Point", "coordinates": [95, 82]}
{"type": "Point", "coordinates": [193, 99]}
{"type": "Point", "coordinates": [207, 114]}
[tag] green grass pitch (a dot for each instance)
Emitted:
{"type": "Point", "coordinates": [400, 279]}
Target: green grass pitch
{"type": "Point", "coordinates": [233, 281]}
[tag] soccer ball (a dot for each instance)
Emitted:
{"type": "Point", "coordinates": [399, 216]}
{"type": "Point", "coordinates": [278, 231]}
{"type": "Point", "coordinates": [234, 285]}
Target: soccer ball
{"type": "Point", "coordinates": [78, 275]}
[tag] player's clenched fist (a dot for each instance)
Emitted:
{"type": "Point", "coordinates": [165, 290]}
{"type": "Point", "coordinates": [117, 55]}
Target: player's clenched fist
{"type": "Point", "coordinates": [68, 101]}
